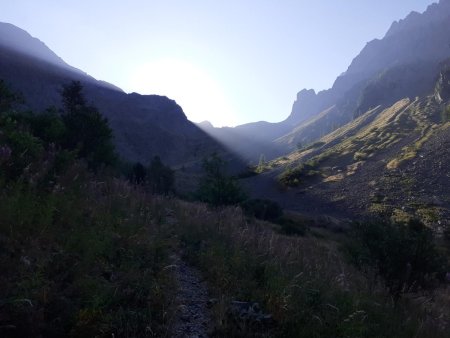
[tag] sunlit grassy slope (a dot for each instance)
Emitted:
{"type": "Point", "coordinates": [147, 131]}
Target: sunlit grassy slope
{"type": "Point", "coordinates": [394, 144]}
{"type": "Point", "coordinates": [375, 131]}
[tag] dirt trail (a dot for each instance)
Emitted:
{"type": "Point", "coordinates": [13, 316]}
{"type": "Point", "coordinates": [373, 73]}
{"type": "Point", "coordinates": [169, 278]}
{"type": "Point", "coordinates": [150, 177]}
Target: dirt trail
{"type": "Point", "coordinates": [192, 317]}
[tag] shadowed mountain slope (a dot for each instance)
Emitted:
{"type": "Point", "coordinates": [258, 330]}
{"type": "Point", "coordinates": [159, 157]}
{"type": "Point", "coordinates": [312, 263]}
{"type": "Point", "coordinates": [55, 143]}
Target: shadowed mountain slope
{"type": "Point", "coordinates": [405, 63]}
{"type": "Point", "coordinates": [143, 125]}
{"type": "Point", "coordinates": [393, 161]}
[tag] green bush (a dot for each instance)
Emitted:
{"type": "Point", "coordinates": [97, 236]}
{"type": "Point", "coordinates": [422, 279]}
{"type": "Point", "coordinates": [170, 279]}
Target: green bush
{"type": "Point", "coordinates": [23, 147]}
{"type": "Point", "coordinates": [48, 126]}
{"type": "Point", "coordinates": [292, 177]}
{"type": "Point", "coordinates": [216, 186]}
{"type": "Point", "coordinates": [33, 143]}
{"type": "Point", "coordinates": [403, 255]}
{"type": "Point", "coordinates": [8, 98]}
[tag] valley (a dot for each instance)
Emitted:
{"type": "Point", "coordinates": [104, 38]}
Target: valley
{"type": "Point", "coordinates": [383, 164]}
{"type": "Point", "coordinates": [120, 217]}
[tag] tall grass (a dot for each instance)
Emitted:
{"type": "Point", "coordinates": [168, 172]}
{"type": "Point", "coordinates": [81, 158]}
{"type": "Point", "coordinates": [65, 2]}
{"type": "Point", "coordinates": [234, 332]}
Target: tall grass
{"type": "Point", "coordinates": [304, 282]}
{"type": "Point", "coordinates": [82, 258]}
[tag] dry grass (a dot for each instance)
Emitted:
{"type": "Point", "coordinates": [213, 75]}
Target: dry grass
{"type": "Point", "coordinates": [87, 257]}
{"type": "Point", "coordinates": [304, 282]}
{"type": "Point", "coordinates": [371, 135]}
{"type": "Point", "coordinates": [90, 257]}
{"type": "Point", "coordinates": [362, 138]}
{"type": "Point", "coordinates": [116, 238]}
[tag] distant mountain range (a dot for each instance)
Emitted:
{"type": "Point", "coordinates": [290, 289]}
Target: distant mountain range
{"type": "Point", "coordinates": [377, 142]}
{"type": "Point", "coordinates": [143, 125]}
{"type": "Point", "coordinates": [405, 63]}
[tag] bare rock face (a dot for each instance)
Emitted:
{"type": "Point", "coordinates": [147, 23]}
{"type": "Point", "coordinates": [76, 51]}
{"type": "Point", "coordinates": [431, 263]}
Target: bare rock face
{"type": "Point", "coordinates": [404, 63]}
{"type": "Point", "coordinates": [304, 105]}
{"type": "Point", "coordinates": [409, 80]}
{"type": "Point", "coordinates": [442, 91]}
{"type": "Point", "coordinates": [419, 38]}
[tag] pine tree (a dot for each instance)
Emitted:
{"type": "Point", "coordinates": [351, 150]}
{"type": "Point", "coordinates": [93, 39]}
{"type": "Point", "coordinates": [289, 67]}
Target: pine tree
{"type": "Point", "coordinates": [88, 131]}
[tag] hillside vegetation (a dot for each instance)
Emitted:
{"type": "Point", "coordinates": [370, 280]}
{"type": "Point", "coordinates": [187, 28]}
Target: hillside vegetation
{"type": "Point", "coordinates": [396, 157]}
{"type": "Point", "coordinates": [85, 252]}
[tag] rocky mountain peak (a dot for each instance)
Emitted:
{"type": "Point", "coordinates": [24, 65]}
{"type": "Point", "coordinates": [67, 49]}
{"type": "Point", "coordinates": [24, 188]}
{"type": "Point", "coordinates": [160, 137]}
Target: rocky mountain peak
{"type": "Point", "coordinates": [303, 106]}
{"type": "Point", "coordinates": [412, 18]}
{"type": "Point", "coordinates": [435, 12]}
{"type": "Point", "coordinates": [205, 125]}
{"type": "Point", "coordinates": [405, 63]}
{"type": "Point", "coordinates": [423, 37]}
{"type": "Point", "coordinates": [306, 94]}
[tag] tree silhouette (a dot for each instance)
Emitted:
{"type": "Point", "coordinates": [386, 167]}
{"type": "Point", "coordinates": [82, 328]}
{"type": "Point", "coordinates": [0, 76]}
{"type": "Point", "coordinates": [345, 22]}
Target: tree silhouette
{"type": "Point", "coordinates": [8, 98]}
{"type": "Point", "coordinates": [216, 187]}
{"type": "Point", "coordinates": [161, 178]}
{"type": "Point", "coordinates": [139, 173]}
{"type": "Point", "coordinates": [88, 131]}
{"type": "Point", "coordinates": [72, 97]}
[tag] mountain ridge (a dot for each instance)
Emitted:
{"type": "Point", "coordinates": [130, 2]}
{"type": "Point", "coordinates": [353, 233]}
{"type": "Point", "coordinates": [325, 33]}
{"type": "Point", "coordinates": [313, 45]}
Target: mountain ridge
{"type": "Point", "coordinates": [144, 125]}
{"type": "Point", "coordinates": [418, 38]}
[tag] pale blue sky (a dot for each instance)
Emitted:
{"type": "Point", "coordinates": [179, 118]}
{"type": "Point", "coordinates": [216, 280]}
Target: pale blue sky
{"type": "Point", "coordinates": [229, 62]}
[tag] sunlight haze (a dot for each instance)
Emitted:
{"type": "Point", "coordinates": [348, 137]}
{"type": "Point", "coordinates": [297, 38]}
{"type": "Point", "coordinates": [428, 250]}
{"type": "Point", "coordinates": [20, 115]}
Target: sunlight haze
{"type": "Point", "coordinates": [229, 62]}
{"type": "Point", "coordinates": [192, 88]}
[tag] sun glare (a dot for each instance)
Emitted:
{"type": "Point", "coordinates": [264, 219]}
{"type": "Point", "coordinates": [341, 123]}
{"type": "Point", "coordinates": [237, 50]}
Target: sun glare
{"type": "Point", "coordinates": [200, 96]}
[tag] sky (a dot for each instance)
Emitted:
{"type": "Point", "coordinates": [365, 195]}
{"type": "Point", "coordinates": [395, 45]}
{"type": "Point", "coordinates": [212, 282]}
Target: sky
{"type": "Point", "coordinates": [226, 61]}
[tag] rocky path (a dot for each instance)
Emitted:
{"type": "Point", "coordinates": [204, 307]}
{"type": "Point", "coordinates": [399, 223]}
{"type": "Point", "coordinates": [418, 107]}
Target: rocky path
{"type": "Point", "coordinates": [192, 317]}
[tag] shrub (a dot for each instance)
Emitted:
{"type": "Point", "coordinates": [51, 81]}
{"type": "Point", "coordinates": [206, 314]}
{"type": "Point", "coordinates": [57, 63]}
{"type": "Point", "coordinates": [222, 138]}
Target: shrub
{"type": "Point", "coordinates": [262, 208]}
{"type": "Point", "coordinates": [8, 98]}
{"type": "Point", "coordinates": [48, 126]}
{"type": "Point", "coordinates": [292, 228]}
{"type": "Point", "coordinates": [216, 186]}
{"type": "Point", "coordinates": [161, 178]}
{"type": "Point", "coordinates": [403, 255]}
{"type": "Point", "coordinates": [138, 174]}
{"type": "Point", "coordinates": [292, 177]}
{"type": "Point", "coordinates": [23, 148]}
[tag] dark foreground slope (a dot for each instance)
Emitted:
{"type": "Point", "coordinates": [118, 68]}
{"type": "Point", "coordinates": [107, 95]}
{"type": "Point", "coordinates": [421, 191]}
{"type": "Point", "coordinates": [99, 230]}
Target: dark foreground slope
{"type": "Point", "coordinates": [98, 264]}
